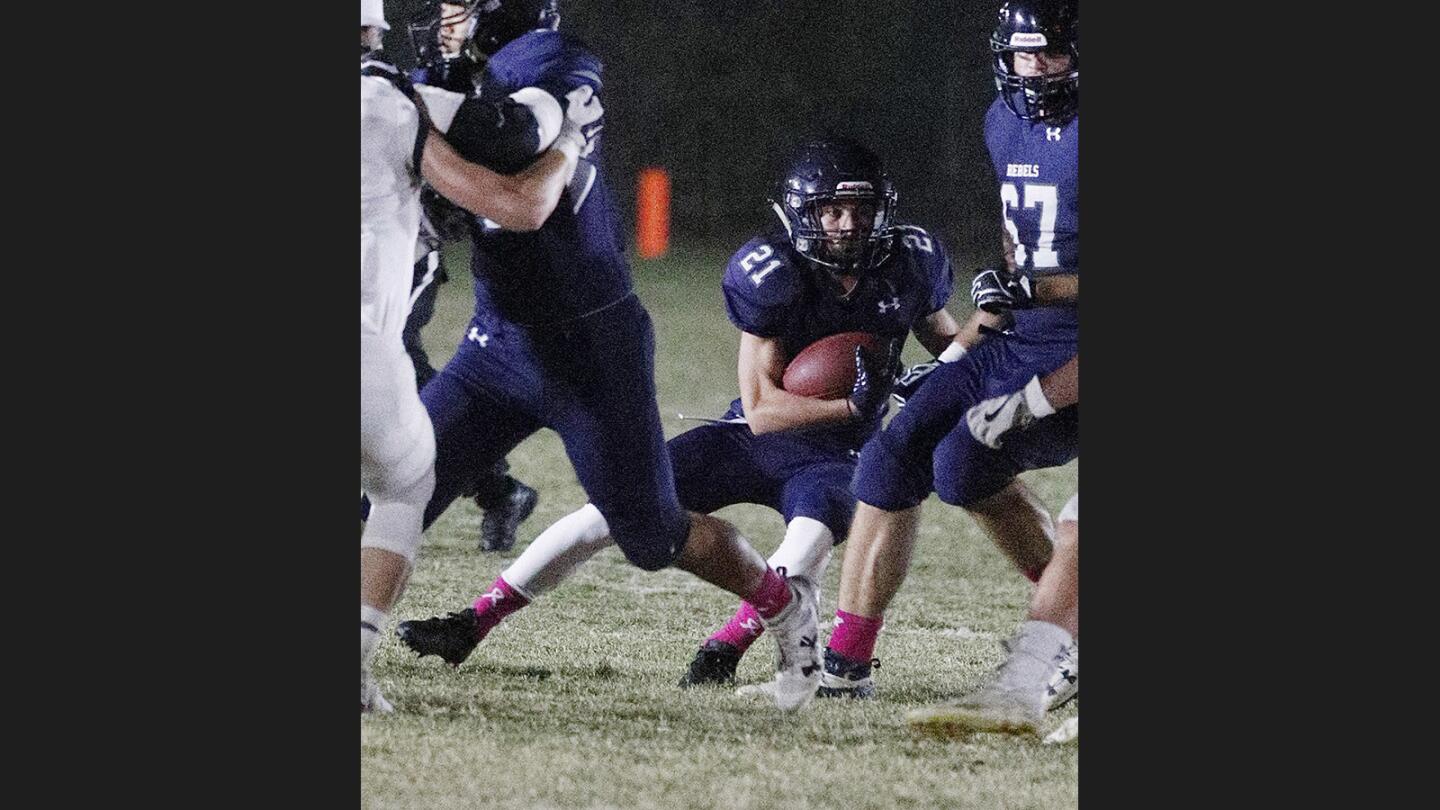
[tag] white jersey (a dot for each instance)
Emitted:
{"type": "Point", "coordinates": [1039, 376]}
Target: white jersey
{"type": "Point", "coordinates": [389, 205]}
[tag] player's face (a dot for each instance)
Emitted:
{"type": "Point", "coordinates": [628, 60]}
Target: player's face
{"type": "Point", "coordinates": [846, 223]}
{"type": "Point", "coordinates": [457, 26]}
{"type": "Point", "coordinates": [1041, 64]}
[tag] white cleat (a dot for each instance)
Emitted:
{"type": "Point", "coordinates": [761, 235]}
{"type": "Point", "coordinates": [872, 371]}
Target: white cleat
{"type": "Point", "coordinates": [1064, 685]}
{"type": "Point", "coordinates": [797, 661]}
{"type": "Point", "coordinates": [758, 690]}
{"type": "Point", "coordinates": [371, 701]}
{"type": "Point", "coordinates": [991, 709]}
{"type": "Point", "coordinates": [1068, 732]}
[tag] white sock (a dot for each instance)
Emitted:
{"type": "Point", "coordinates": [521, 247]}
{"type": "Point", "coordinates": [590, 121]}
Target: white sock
{"type": "Point", "coordinates": [1032, 658]}
{"type": "Point", "coordinates": [372, 623]}
{"type": "Point", "coordinates": [1035, 399]}
{"type": "Point", "coordinates": [558, 551]}
{"type": "Point", "coordinates": [805, 549]}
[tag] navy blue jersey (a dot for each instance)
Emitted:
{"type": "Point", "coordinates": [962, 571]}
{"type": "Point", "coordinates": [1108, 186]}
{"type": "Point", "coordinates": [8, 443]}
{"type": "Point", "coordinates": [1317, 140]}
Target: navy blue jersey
{"type": "Point", "coordinates": [1039, 172]}
{"type": "Point", "coordinates": [575, 263]}
{"type": "Point", "coordinates": [773, 292]}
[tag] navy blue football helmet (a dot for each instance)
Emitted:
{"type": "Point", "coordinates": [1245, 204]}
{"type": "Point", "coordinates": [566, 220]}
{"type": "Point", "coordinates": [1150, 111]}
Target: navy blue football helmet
{"type": "Point", "coordinates": [488, 25]}
{"type": "Point", "coordinates": [1032, 26]}
{"type": "Point", "coordinates": [826, 171]}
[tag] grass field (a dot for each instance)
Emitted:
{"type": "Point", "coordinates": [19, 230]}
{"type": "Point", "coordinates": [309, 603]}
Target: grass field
{"type": "Point", "coordinates": [572, 702]}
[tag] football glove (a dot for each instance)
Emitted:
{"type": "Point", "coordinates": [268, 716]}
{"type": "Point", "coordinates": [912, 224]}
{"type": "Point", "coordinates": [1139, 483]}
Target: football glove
{"type": "Point", "coordinates": [874, 379]}
{"type": "Point", "coordinates": [997, 289]}
{"type": "Point", "coordinates": [909, 382]}
{"type": "Point", "coordinates": [994, 417]}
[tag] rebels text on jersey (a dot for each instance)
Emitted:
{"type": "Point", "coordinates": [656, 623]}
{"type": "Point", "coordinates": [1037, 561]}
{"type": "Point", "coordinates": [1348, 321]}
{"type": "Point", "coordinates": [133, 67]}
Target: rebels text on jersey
{"type": "Point", "coordinates": [574, 264]}
{"type": "Point", "coordinates": [772, 292]}
{"type": "Point", "coordinates": [1038, 169]}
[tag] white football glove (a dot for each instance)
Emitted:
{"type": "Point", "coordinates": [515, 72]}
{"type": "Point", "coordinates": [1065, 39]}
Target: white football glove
{"type": "Point", "coordinates": [994, 417]}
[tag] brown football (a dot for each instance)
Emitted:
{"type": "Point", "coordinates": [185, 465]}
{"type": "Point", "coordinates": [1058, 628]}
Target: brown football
{"type": "Point", "coordinates": [826, 368]}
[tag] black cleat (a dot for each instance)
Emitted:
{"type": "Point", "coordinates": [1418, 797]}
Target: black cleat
{"type": "Point", "coordinates": [497, 528]}
{"type": "Point", "coordinates": [844, 678]}
{"type": "Point", "coordinates": [451, 637]}
{"type": "Point", "coordinates": [714, 664]}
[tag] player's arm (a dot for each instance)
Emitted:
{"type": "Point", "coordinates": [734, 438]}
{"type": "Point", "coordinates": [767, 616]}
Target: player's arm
{"type": "Point", "coordinates": [768, 406]}
{"type": "Point", "coordinates": [936, 331]}
{"type": "Point", "coordinates": [519, 202]}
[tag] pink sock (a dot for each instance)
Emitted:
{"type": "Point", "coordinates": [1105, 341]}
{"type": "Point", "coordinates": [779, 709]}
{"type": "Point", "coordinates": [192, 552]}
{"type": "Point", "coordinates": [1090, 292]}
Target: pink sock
{"type": "Point", "coordinates": [742, 629]}
{"type": "Point", "coordinates": [490, 607]}
{"type": "Point", "coordinates": [772, 596]}
{"type": "Point", "coordinates": [854, 635]}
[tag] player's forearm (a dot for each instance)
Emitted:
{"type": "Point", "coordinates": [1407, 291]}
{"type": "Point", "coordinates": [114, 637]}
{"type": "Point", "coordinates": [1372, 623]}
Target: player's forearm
{"type": "Point", "coordinates": [970, 335]}
{"type": "Point", "coordinates": [1061, 288]}
{"type": "Point", "coordinates": [936, 332]}
{"type": "Point", "coordinates": [777, 410]}
{"type": "Point", "coordinates": [1062, 386]}
{"type": "Point", "coordinates": [520, 202]}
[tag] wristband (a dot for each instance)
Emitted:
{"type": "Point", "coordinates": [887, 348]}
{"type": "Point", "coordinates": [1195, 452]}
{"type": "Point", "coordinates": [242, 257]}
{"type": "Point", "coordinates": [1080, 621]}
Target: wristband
{"type": "Point", "coordinates": [952, 353]}
{"type": "Point", "coordinates": [1035, 399]}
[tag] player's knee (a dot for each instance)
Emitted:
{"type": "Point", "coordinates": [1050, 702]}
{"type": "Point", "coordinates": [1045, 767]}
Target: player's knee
{"type": "Point", "coordinates": [884, 481]}
{"type": "Point", "coordinates": [652, 547]}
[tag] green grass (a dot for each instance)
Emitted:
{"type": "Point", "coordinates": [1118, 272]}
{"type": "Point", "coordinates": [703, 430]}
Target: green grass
{"type": "Point", "coordinates": [572, 702]}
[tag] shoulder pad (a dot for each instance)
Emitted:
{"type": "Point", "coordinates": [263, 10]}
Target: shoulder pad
{"type": "Point", "coordinates": [761, 282]}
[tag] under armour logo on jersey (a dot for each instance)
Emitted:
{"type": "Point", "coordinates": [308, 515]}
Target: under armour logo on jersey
{"type": "Point", "coordinates": [475, 335]}
{"type": "Point", "coordinates": [1052, 133]}
{"type": "Point", "coordinates": [495, 595]}
{"type": "Point", "coordinates": [894, 304]}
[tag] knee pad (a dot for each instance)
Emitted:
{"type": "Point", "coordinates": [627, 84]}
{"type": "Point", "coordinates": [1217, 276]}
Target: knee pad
{"type": "Point", "coordinates": [403, 469]}
{"type": "Point", "coordinates": [395, 525]}
{"type": "Point", "coordinates": [805, 550]}
{"type": "Point", "coordinates": [883, 480]}
{"type": "Point", "coordinates": [652, 547]}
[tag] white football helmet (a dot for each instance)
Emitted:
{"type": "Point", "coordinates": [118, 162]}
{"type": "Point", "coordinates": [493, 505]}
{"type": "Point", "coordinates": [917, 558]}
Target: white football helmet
{"type": "Point", "coordinates": [372, 12]}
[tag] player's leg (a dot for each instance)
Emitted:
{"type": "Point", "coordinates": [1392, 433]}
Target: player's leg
{"type": "Point", "coordinates": [894, 476]}
{"type": "Point", "coordinates": [1057, 601]}
{"type": "Point", "coordinates": [1015, 698]}
{"type": "Point", "coordinates": [717, 466]}
{"type": "Point", "coordinates": [506, 502]}
{"type": "Point", "coordinates": [610, 425]}
{"type": "Point", "coordinates": [397, 458]}
{"type": "Point", "coordinates": [475, 426]}
{"type": "Point", "coordinates": [425, 288]}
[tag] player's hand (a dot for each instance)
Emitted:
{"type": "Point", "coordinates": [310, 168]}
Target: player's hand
{"type": "Point", "coordinates": [994, 417]}
{"type": "Point", "coordinates": [909, 382]}
{"type": "Point", "coordinates": [997, 289]}
{"type": "Point", "coordinates": [583, 113]}
{"type": "Point", "coordinates": [874, 379]}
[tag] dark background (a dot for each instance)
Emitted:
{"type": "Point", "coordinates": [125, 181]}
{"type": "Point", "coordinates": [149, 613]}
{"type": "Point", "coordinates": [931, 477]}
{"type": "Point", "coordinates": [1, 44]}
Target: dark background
{"type": "Point", "coordinates": [718, 92]}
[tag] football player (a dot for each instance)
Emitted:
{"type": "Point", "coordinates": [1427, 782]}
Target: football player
{"type": "Point", "coordinates": [836, 260]}
{"type": "Point", "coordinates": [560, 340]}
{"type": "Point", "coordinates": [1032, 131]}
{"type": "Point", "coordinates": [397, 448]}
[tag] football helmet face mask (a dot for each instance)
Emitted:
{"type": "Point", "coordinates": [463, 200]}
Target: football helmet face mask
{"type": "Point", "coordinates": [485, 26]}
{"type": "Point", "coordinates": [825, 180]}
{"type": "Point", "coordinates": [1036, 26]}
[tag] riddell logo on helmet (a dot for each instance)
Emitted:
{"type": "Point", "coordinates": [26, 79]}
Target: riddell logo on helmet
{"type": "Point", "coordinates": [1019, 40]}
{"type": "Point", "coordinates": [854, 185]}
